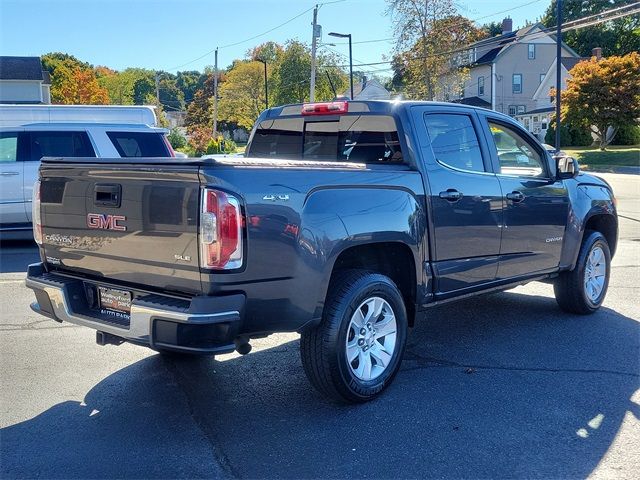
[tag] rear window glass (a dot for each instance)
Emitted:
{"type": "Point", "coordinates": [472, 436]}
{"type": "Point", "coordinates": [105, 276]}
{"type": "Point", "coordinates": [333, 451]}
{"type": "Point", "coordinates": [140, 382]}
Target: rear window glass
{"type": "Point", "coordinates": [351, 138]}
{"type": "Point", "coordinates": [139, 144]}
{"type": "Point", "coordinates": [8, 147]}
{"type": "Point", "coordinates": [60, 144]}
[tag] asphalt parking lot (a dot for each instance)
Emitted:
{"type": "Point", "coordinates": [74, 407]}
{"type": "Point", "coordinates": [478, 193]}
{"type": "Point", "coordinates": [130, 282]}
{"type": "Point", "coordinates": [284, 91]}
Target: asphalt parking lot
{"type": "Point", "coordinates": [504, 385]}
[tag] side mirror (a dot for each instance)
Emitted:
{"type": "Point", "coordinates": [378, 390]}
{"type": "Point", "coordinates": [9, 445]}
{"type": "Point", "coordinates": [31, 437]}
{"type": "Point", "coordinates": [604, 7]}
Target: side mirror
{"type": "Point", "coordinates": [566, 167]}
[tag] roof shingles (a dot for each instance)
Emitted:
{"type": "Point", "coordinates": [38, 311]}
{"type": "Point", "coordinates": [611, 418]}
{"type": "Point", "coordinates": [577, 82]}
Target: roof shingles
{"type": "Point", "coordinates": [20, 68]}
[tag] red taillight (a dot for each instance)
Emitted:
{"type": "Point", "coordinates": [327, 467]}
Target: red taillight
{"type": "Point", "coordinates": [220, 231]}
{"type": "Point", "coordinates": [35, 214]}
{"type": "Point", "coordinates": [326, 108]}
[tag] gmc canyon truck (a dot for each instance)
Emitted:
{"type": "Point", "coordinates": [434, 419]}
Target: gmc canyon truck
{"type": "Point", "coordinates": [345, 221]}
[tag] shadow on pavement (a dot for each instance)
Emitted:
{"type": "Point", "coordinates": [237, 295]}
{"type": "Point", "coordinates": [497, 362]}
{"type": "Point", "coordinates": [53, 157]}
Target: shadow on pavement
{"type": "Point", "coordinates": [500, 386]}
{"type": "Point", "coordinates": [16, 255]}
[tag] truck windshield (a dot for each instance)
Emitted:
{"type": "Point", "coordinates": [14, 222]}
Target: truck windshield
{"type": "Point", "coordinates": [351, 138]}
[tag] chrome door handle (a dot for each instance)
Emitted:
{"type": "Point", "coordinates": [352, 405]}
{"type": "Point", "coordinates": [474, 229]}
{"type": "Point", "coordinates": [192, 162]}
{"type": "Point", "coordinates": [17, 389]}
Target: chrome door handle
{"type": "Point", "coordinates": [515, 196]}
{"type": "Point", "coordinates": [451, 195]}
{"type": "Point", "coordinates": [9, 174]}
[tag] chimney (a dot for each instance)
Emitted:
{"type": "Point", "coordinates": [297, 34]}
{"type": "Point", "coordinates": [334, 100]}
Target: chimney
{"type": "Point", "coordinates": [597, 52]}
{"type": "Point", "coordinates": [507, 25]}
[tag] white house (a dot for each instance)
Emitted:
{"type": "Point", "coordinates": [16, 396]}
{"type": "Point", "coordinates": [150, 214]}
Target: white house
{"type": "Point", "coordinates": [23, 80]}
{"type": "Point", "coordinates": [369, 89]}
{"type": "Point", "coordinates": [537, 120]}
{"type": "Point", "coordinates": [506, 70]}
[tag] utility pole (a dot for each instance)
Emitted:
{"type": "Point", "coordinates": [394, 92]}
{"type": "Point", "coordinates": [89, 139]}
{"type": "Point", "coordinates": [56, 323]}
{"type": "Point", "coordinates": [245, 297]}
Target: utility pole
{"type": "Point", "coordinates": [157, 90]}
{"type": "Point", "coordinates": [215, 95]}
{"type": "Point", "coordinates": [314, 38]}
{"type": "Point", "coordinates": [558, 71]}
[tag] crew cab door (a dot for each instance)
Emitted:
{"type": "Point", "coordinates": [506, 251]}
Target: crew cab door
{"type": "Point", "coordinates": [465, 213]}
{"type": "Point", "coordinates": [535, 205]}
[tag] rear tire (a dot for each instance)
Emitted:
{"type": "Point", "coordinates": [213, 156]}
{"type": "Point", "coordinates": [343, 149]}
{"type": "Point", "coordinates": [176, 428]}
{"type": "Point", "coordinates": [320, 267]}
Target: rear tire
{"type": "Point", "coordinates": [356, 351]}
{"type": "Point", "coordinates": [582, 290]}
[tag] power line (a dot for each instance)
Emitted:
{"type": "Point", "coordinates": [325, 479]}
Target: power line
{"type": "Point", "coordinates": [475, 20]}
{"type": "Point", "coordinates": [568, 26]}
{"type": "Point", "coordinates": [234, 44]}
{"type": "Point", "coordinates": [245, 40]}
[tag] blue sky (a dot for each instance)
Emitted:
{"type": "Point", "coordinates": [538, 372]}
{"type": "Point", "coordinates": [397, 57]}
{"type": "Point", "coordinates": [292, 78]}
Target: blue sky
{"type": "Point", "coordinates": [164, 34]}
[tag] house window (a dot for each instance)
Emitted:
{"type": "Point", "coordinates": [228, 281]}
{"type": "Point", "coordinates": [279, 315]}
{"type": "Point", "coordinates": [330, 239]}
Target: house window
{"type": "Point", "coordinates": [542, 75]}
{"type": "Point", "coordinates": [516, 83]}
{"type": "Point", "coordinates": [513, 109]}
{"type": "Point", "coordinates": [531, 52]}
{"type": "Point", "coordinates": [521, 109]}
{"type": "Point", "coordinates": [480, 86]}
{"type": "Point", "coordinates": [526, 123]}
{"type": "Point", "coordinates": [535, 119]}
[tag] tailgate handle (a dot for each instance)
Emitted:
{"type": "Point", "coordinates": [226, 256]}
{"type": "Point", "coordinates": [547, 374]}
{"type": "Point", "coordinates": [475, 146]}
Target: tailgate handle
{"type": "Point", "coordinates": [107, 195]}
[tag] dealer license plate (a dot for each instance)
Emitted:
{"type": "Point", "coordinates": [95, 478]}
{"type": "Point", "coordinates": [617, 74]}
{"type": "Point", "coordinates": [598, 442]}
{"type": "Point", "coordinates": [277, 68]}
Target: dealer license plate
{"type": "Point", "coordinates": [116, 300]}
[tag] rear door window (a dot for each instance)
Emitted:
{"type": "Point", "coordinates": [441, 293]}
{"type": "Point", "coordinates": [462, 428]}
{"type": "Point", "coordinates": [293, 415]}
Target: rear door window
{"type": "Point", "coordinates": [351, 138]}
{"type": "Point", "coordinates": [139, 144]}
{"type": "Point", "coordinates": [59, 144]}
{"type": "Point", "coordinates": [454, 141]}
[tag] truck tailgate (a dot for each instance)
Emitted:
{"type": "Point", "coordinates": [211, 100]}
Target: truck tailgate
{"type": "Point", "coordinates": [123, 223]}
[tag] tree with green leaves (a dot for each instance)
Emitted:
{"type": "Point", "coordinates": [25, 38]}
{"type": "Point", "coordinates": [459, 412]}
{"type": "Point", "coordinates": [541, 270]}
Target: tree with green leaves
{"type": "Point", "coordinates": [200, 110]}
{"type": "Point", "coordinates": [616, 37]}
{"type": "Point", "coordinates": [242, 95]}
{"type": "Point", "coordinates": [603, 94]}
{"type": "Point", "coordinates": [423, 32]}
{"type": "Point", "coordinates": [189, 82]}
{"type": "Point", "coordinates": [491, 29]}
{"type": "Point", "coordinates": [291, 79]}
{"type": "Point", "coordinates": [269, 52]}
{"type": "Point", "coordinates": [171, 97]}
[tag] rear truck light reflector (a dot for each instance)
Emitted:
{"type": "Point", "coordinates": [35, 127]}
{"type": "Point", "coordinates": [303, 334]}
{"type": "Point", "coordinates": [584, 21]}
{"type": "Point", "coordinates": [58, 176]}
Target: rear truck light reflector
{"type": "Point", "coordinates": [35, 214]}
{"type": "Point", "coordinates": [172, 152]}
{"type": "Point", "coordinates": [220, 231]}
{"type": "Point", "coordinates": [325, 108]}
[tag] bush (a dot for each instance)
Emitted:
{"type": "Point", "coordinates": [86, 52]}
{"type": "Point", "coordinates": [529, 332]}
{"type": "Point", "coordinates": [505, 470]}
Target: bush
{"type": "Point", "coordinates": [176, 139]}
{"type": "Point", "coordinates": [199, 139]}
{"type": "Point", "coordinates": [570, 135]}
{"type": "Point", "coordinates": [222, 145]}
{"type": "Point", "coordinates": [627, 135]}
{"type": "Point", "coordinates": [580, 136]}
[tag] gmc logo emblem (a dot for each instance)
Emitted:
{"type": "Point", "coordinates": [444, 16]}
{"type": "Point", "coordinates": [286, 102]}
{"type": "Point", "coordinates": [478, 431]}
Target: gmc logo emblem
{"type": "Point", "coordinates": [103, 221]}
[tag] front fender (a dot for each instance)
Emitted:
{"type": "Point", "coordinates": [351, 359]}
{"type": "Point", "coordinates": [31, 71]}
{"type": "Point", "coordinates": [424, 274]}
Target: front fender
{"type": "Point", "coordinates": [586, 201]}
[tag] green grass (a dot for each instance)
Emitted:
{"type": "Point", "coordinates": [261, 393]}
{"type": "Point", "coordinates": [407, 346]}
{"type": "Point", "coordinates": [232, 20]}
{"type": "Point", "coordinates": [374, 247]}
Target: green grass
{"type": "Point", "coordinates": [613, 156]}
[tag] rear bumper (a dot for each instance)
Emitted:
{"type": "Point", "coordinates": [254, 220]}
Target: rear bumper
{"type": "Point", "coordinates": [202, 325]}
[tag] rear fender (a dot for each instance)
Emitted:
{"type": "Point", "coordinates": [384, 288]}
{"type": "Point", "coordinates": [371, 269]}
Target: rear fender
{"type": "Point", "coordinates": [335, 220]}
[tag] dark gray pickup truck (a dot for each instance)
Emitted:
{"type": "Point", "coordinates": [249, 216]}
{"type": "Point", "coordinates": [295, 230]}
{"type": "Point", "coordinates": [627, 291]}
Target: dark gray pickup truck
{"type": "Point", "coordinates": [345, 222]}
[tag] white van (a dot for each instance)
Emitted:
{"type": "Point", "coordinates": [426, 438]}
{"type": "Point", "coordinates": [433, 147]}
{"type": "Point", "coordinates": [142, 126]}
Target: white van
{"type": "Point", "coordinates": [30, 132]}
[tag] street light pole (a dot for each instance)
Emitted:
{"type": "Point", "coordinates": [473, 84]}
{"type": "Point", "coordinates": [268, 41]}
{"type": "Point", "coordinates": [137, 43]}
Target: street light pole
{"type": "Point", "coordinates": [558, 71]}
{"type": "Point", "coordinates": [266, 86]}
{"type": "Point", "coordinates": [350, 67]}
{"type": "Point", "coordinates": [347, 35]}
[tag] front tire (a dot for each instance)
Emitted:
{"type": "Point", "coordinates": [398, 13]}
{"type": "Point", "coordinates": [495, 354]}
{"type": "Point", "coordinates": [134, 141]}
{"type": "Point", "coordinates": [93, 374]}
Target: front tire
{"type": "Point", "coordinates": [582, 290]}
{"type": "Point", "coordinates": [356, 351]}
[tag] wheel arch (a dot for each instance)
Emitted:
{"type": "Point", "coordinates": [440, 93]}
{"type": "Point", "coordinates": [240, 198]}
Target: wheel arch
{"type": "Point", "coordinates": [607, 225]}
{"type": "Point", "coordinates": [394, 259]}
